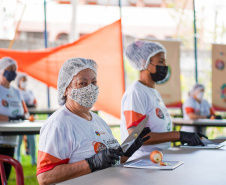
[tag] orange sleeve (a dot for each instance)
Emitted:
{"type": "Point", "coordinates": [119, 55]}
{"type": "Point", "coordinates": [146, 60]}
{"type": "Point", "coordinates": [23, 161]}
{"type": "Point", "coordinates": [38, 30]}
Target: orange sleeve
{"type": "Point", "coordinates": [212, 111]}
{"type": "Point", "coordinates": [133, 118]}
{"type": "Point", "coordinates": [24, 107]}
{"type": "Point", "coordinates": [189, 110]}
{"type": "Point", "coordinates": [47, 162]}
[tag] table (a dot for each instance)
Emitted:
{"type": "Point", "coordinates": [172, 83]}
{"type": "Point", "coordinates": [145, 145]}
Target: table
{"type": "Point", "coordinates": [199, 122]}
{"type": "Point", "coordinates": [201, 166]}
{"type": "Point", "coordinates": [20, 127]}
{"type": "Point", "coordinates": [41, 111]}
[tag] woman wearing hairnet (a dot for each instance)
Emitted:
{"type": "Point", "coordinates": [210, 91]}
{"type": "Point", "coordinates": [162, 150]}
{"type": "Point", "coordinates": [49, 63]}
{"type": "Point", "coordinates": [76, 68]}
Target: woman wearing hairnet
{"type": "Point", "coordinates": [75, 141]}
{"type": "Point", "coordinates": [30, 101]}
{"type": "Point", "coordinates": [195, 107]}
{"type": "Point", "coordinates": [12, 106]}
{"type": "Point", "coordinates": [141, 99]}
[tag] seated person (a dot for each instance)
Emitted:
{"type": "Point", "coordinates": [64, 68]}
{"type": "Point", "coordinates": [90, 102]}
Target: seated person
{"type": "Point", "coordinates": [30, 101]}
{"type": "Point", "coordinates": [142, 99]}
{"type": "Point", "coordinates": [12, 107]}
{"type": "Point", "coordinates": [195, 107]}
{"type": "Point", "coordinates": [75, 141]}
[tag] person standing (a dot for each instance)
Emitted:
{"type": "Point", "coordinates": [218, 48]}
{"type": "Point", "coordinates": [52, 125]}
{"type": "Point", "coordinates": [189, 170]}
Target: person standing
{"type": "Point", "coordinates": [12, 106]}
{"type": "Point", "coordinates": [30, 101]}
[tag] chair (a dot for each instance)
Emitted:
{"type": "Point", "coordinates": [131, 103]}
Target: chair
{"type": "Point", "coordinates": [16, 165]}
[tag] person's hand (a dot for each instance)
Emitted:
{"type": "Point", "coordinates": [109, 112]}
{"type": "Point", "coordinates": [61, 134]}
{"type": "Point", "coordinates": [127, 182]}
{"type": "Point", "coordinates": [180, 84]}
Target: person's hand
{"type": "Point", "coordinates": [22, 117]}
{"type": "Point", "coordinates": [192, 138]}
{"type": "Point", "coordinates": [103, 159]}
{"type": "Point", "coordinates": [138, 142]}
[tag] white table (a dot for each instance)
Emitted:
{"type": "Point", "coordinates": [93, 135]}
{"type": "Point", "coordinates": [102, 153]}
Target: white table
{"type": "Point", "coordinates": [199, 122]}
{"type": "Point", "coordinates": [20, 127]}
{"type": "Point", "coordinates": [41, 111]}
{"type": "Point", "coordinates": [201, 166]}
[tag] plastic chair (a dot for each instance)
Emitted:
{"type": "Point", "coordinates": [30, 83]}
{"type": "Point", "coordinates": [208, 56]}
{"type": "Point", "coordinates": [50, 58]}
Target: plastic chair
{"type": "Point", "coordinates": [18, 168]}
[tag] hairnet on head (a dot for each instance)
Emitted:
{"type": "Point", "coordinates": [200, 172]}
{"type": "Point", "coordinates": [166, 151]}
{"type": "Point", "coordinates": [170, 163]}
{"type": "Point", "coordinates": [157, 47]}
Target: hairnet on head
{"type": "Point", "coordinates": [68, 70]}
{"type": "Point", "coordinates": [139, 53]}
{"type": "Point", "coordinates": [6, 62]}
{"type": "Point", "coordinates": [19, 76]}
{"type": "Point", "coordinates": [196, 87]}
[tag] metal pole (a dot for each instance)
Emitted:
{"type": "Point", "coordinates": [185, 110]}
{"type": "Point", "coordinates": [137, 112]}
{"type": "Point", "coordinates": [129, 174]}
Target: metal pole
{"type": "Point", "coordinates": [195, 43]}
{"type": "Point", "coordinates": [120, 8]}
{"type": "Point", "coordinates": [46, 46]}
{"type": "Point", "coordinates": [74, 35]}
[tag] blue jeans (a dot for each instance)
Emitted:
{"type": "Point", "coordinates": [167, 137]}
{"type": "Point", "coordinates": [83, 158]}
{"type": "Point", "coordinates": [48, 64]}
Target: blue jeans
{"type": "Point", "coordinates": [31, 141]}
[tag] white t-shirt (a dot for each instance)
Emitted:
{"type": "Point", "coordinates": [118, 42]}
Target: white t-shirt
{"type": "Point", "coordinates": [191, 105]}
{"type": "Point", "coordinates": [28, 97]}
{"type": "Point", "coordinates": [67, 138]}
{"type": "Point", "coordinates": [138, 102]}
{"type": "Point", "coordinates": [10, 105]}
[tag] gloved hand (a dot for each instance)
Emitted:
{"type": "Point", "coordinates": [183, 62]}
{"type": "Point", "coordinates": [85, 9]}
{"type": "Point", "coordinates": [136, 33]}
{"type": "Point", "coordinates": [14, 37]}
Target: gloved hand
{"type": "Point", "coordinates": [191, 138]}
{"type": "Point", "coordinates": [138, 142]}
{"type": "Point", "coordinates": [103, 159]}
{"type": "Point", "coordinates": [17, 118]}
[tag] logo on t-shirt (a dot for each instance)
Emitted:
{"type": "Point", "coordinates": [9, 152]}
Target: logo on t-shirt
{"type": "Point", "coordinates": [5, 103]}
{"type": "Point", "coordinates": [15, 112]}
{"type": "Point", "coordinates": [98, 146]}
{"type": "Point", "coordinates": [99, 133]}
{"type": "Point", "coordinates": [159, 113]}
{"type": "Point", "coordinates": [169, 127]}
{"type": "Point", "coordinates": [9, 96]}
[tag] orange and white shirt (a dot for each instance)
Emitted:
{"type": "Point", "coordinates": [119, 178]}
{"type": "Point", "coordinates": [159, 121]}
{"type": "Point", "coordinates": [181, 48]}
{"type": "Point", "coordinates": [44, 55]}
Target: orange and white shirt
{"type": "Point", "coordinates": [138, 102]}
{"type": "Point", "coordinates": [192, 106]}
{"type": "Point", "coordinates": [11, 104]}
{"type": "Point", "coordinates": [67, 138]}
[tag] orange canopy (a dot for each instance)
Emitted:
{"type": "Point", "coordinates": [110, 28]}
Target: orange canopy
{"type": "Point", "coordinates": [104, 46]}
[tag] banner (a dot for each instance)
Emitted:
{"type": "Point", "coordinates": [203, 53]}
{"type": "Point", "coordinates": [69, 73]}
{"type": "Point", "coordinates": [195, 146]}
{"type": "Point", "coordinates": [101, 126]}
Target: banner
{"type": "Point", "coordinates": [219, 77]}
{"type": "Point", "coordinates": [103, 46]}
{"type": "Point", "coordinates": [170, 87]}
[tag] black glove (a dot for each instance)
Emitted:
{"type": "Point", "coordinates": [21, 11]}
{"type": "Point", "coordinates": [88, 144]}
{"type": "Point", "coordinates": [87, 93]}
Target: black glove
{"type": "Point", "coordinates": [218, 117]}
{"type": "Point", "coordinates": [215, 117]}
{"type": "Point", "coordinates": [191, 138]}
{"type": "Point", "coordinates": [138, 142]}
{"type": "Point", "coordinates": [103, 159]}
{"type": "Point", "coordinates": [17, 118]}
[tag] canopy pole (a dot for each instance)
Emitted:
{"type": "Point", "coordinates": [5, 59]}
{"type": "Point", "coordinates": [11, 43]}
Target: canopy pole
{"type": "Point", "coordinates": [46, 46]}
{"type": "Point", "coordinates": [195, 44]}
{"type": "Point", "coordinates": [17, 28]}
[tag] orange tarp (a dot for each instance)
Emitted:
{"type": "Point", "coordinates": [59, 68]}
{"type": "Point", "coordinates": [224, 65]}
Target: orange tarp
{"type": "Point", "coordinates": [104, 46]}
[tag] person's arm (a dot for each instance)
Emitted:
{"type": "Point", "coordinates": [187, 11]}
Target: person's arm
{"type": "Point", "coordinates": [156, 138]}
{"type": "Point", "coordinates": [4, 118]}
{"type": "Point", "coordinates": [195, 116]}
{"type": "Point", "coordinates": [63, 172]}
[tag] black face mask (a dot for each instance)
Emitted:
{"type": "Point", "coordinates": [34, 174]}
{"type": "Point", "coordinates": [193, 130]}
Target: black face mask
{"type": "Point", "coordinates": [160, 74]}
{"type": "Point", "coordinates": [9, 75]}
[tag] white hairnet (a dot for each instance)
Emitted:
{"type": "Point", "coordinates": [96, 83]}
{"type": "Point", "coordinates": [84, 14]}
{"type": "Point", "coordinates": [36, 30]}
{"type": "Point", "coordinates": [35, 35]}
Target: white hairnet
{"type": "Point", "coordinates": [68, 70]}
{"type": "Point", "coordinates": [196, 87]}
{"type": "Point", "coordinates": [6, 62]}
{"type": "Point", "coordinates": [139, 53]}
{"type": "Point", "coordinates": [19, 76]}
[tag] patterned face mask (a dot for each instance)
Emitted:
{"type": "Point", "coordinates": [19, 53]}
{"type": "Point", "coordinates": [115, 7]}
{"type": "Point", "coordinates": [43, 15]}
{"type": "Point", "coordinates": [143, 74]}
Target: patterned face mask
{"type": "Point", "coordinates": [85, 96]}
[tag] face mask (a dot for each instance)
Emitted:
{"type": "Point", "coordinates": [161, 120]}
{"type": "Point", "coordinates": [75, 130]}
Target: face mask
{"type": "Point", "coordinates": [200, 95]}
{"type": "Point", "coordinates": [160, 74]}
{"type": "Point", "coordinates": [85, 96]}
{"type": "Point", "coordinates": [23, 84]}
{"type": "Point", "coordinates": [9, 75]}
